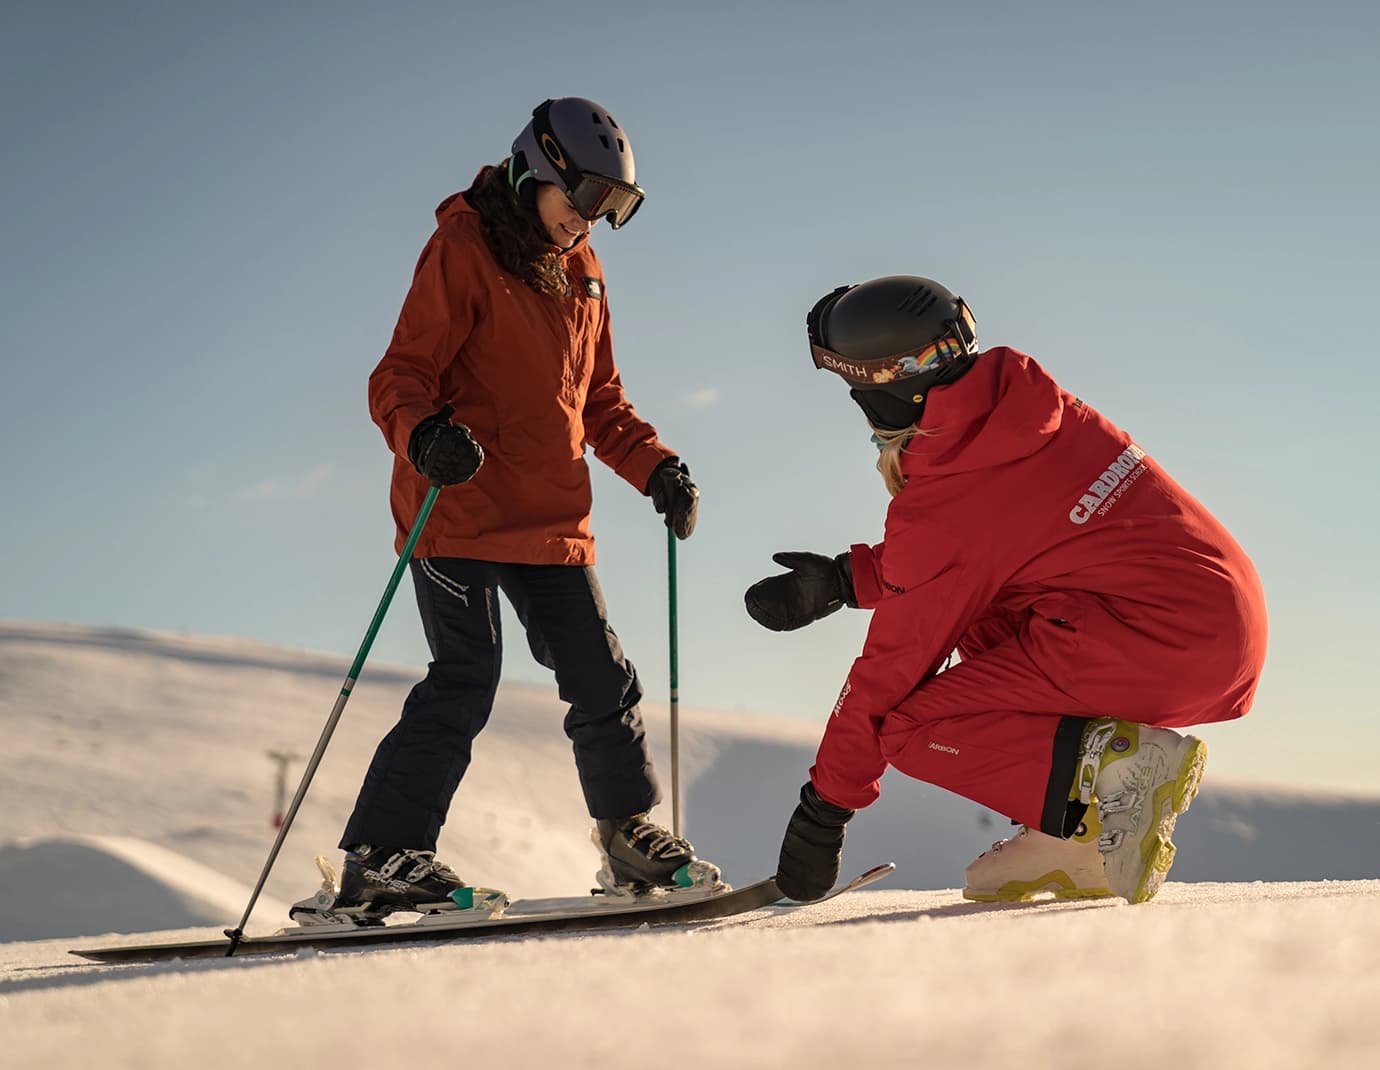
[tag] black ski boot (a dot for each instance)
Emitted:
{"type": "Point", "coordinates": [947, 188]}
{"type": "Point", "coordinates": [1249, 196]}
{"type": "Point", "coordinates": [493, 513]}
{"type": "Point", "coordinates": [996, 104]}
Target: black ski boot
{"type": "Point", "coordinates": [384, 879]}
{"type": "Point", "coordinates": [641, 856]}
{"type": "Point", "coordinates": [376, 881]}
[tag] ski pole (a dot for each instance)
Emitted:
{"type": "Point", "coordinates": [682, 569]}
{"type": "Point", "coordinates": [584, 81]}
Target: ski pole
{"type": "Point", "coordinates": [237, 933]}
{"type": "Point", "coordinates": [675, 681]}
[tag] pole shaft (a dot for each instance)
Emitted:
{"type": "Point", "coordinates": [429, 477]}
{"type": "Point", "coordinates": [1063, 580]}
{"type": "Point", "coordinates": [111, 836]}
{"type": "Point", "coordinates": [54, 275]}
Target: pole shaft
{"type": "Point", "coordinates": [675, 680]}
{"type": "Point", "coordinates": [336, 710]}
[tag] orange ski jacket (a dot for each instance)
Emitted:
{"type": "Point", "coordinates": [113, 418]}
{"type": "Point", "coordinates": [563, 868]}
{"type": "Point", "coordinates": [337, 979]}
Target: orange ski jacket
{"type": "Point", "coordinates": [533, 378]}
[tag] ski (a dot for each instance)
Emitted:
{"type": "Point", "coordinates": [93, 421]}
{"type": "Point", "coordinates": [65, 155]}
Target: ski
{"type": "Point", "coordinates": [862, 880]}
{"type": "Point", "coordinates": [520, 917]}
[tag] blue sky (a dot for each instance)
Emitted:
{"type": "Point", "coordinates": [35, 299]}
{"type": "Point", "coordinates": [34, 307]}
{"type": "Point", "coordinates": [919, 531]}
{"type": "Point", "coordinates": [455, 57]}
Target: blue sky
{"type": "Point", "coordinates": [209, 222]}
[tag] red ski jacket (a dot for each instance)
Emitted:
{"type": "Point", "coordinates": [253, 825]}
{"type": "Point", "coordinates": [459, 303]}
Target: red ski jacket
{"type": "Point", "coordinates": [1036, 535]}
{"type": "Point", "coordinates": [533, 378]}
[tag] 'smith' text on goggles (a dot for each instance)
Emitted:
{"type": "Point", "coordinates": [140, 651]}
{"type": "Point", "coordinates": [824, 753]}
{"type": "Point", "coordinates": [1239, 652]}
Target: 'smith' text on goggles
{"type": "Point", "coordinates": [958, 341]}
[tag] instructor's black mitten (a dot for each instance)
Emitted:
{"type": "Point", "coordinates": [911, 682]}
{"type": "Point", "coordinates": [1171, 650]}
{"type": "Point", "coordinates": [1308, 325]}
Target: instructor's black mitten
{"type": "Point", "coordinates": [675, 496]}
{"type": "Point", "coordinates": [445, 453]}
{"type": "Point", "coordinates": [815, 587]}
{"type": "Point", "coordinates": [810, 853]}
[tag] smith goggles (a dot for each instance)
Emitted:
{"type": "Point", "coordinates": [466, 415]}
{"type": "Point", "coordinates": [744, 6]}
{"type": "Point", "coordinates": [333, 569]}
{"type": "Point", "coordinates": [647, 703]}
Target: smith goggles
{"type": "Point", "coordinates": [960, 340]}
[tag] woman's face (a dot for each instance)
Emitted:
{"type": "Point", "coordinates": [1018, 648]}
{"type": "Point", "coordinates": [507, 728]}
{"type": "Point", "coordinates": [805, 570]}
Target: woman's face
{"type": "Point", "coordinates": [563, 224]}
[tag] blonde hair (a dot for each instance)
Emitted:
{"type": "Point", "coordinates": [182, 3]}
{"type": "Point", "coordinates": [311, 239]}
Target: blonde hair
{"type": "Point", "coordinates": [893, 443]}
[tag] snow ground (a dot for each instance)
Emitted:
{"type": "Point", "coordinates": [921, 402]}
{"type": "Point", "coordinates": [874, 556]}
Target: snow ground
{"type": "Point", "coordinates": [130, 760]}
{"type": "Point", "coordinates": [1208, 976]}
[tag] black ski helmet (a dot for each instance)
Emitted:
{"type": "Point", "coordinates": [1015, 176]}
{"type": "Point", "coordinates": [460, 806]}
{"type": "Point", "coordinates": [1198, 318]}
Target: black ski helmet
{"type": "Point", "coordinates": [893, 339]}
{"type": "Point", "coordinates": [576, 144]}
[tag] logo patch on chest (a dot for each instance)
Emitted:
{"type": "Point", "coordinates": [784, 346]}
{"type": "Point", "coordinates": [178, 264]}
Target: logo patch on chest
{"type": "Point", "coordinates": [594, 288]}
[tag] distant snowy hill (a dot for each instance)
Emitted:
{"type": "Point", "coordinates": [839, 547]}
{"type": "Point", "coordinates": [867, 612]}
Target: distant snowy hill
{"type": "Point", "coordinates": [168, 739]}
{"type": "Point", "coordinates": [86, 885]}
{"type": "Point", "coordinates": [137, 792]}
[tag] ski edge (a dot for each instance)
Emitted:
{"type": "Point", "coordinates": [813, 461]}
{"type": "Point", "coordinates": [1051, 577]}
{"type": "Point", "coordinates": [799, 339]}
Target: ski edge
{"type": "Point", "coordinates": [739, 901]}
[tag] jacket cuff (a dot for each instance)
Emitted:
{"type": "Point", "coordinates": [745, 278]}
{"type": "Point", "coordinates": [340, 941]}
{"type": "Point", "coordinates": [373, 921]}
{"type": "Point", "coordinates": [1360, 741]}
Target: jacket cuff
{"type": "Point", "coordinates": [638, 469]}
{"type": "Point", "coordinates": [867, 588]}
{"type": "Point", "coordinates": [843, 796]}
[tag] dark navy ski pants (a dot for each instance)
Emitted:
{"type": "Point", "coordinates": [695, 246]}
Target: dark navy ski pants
{"type": "Point", "coordinates": [419, 764]}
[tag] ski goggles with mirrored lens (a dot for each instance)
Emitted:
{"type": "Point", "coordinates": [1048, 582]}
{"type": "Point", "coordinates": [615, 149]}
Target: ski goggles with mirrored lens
{"type": "Point", "coordinates": [598, 197]}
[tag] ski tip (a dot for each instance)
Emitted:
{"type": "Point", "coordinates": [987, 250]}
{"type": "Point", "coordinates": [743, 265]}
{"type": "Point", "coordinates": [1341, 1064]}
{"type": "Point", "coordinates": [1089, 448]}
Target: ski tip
{"type": "Point", "coordinates": [876, 873]}
{"type": "Point", "coordinates": [862, 880]}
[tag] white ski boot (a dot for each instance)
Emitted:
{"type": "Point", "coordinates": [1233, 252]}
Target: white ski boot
{"type": "Point", "coordinates": [1031, 863]}
{"type": "Point", "coordinates": [1143, 779]}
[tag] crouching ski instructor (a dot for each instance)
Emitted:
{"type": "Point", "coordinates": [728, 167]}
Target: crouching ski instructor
{"type": "Point", "coordinates": [500, 371]}
{"type": "Point", "coordinates": [1096, 605]}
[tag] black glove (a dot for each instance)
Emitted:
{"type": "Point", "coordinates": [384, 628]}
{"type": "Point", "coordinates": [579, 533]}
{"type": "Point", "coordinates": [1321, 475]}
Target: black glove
{"type": "Point", "coordinates": [445, 453]}
{"type": "Point", "coordinates": [810, 853]}
{"type": "Point", "coordinates": [674, 496]}
{"type": "Point", "coordinates": [815, 587]}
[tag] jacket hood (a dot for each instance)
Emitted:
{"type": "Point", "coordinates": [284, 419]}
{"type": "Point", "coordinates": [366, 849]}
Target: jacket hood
{"type": "Point", "coordinates": [1006, 407]}
{"type": "Point", "coordinates": [452, 206]}
{"type": "Point", "coordinates": [457, 204]}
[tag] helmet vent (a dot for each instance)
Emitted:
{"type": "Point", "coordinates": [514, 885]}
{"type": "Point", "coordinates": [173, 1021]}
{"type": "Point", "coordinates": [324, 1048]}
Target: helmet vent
{"type": "Point", "coordinates": [595, 116]}
{"type": "Point", "coordinates": [919, 301]}
{"type": "Point", "coordinates": [621, 147]}
{"type": "Point", "coordinates": [605, 140]}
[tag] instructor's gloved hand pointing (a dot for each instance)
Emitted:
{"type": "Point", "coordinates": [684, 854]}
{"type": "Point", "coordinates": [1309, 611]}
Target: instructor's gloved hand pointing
{"type": "Point", "coordinates": [815, 587]}
{"type": "Point", "coordinates": [674, 496]}
{"type": "Point", "coordinates": [445, 453]}
{"type": "Point", "coordinates": [810, 853]}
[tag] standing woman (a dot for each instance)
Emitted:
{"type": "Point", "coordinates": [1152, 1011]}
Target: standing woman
{"type": "Point", "coordinates": [499, 374]}
{"type": "Point", "coordinates": [1094, 603]}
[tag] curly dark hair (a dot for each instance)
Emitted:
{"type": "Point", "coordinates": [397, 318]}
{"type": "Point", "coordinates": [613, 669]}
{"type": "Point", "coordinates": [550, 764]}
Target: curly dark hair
{"type": "Point", "coordinates": [515, 234]}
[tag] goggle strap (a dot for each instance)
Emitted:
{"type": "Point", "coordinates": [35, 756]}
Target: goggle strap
{"type": "Point", "coordinates": [543, 131]}
{"type": "Point", "coordinates": [517, 183]}
{"type": "Point", "coordinates": [899, 367]}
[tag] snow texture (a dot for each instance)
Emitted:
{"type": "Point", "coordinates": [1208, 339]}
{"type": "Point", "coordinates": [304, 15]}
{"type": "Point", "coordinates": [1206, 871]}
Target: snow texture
{"type": "Point", "coordinates": [137, 797]}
